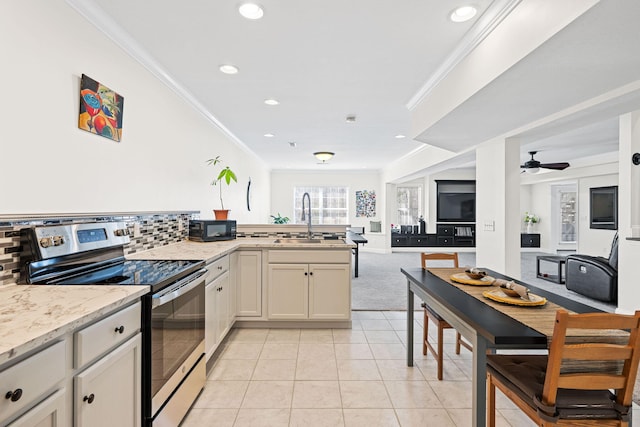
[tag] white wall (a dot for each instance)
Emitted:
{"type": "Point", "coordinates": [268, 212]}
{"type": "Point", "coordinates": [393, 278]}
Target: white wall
{"type": "Point", "coordinates": [51, 166]}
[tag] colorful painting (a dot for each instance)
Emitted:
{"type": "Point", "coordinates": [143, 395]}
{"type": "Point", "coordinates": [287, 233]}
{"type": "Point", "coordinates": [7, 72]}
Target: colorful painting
{"type": "Point", "coordinates": [365, 203]}
{"type": "Point", "coordinates": [100, 109]}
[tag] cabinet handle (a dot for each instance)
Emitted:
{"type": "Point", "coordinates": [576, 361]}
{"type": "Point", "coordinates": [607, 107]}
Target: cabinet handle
{"type": "Point", "coordinates": [219, 267]}
{"type": "Point", "coordinates": [311, 273]}
{"type": "Point", "coordinates": [120, 329]}
{"type": "Point", "coordinates": [305, 273]}
{"type": "Point", "coordinates": [15, 395]}
{"type": "Point", "coordinates": [89, 399]}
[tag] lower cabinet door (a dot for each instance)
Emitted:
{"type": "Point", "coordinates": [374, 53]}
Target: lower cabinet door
{"type": "Point", "coordinates": [288, 291]}
{"type": "Point", "coordinates": [48, 413]}
{"type": "Point", "coordinates": [329, 291]}
{"type": "Point", "coordinates": [108, 392]}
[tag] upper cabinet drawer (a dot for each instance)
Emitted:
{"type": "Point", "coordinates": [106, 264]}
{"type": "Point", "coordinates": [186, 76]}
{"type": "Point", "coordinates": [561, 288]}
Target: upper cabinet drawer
{"type": "Point", "coordinates": [106, 334]}
{"type": "Point", "coordinates": [217, 267]}
{"type": "Point", "coordinates": [29, 380]}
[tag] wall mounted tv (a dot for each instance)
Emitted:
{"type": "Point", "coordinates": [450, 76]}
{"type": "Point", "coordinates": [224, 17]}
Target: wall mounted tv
{"type": "Point", "coordinates": [456, 201]}
{"type": "Point", "coordinates": [603, 207]}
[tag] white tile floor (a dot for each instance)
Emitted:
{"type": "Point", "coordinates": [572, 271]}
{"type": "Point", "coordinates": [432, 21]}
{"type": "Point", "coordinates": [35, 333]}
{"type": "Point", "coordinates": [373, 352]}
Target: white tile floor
{"type": "Point", "coordinates": [339, 377]}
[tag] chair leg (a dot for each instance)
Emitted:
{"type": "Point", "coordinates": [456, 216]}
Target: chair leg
{"type": "Point", "coordinates": [440, 348]}
{"type": "Point", "coordinates": [491, 402]}
{"type": "Point", "coordinates": [425, 333]}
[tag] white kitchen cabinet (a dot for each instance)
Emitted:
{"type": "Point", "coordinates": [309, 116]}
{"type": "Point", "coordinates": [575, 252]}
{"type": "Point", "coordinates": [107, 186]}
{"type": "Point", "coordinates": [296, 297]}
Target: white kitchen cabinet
{"type": "Point", "coordinates": [219, 317]}
{"type": "Point", "coordinates": [288, 292]}
{"type": "Point", "coordinates": [329, 292]}
{"type": "Point", "coordinates": [108, 392]}
{"type": "Point", "coordinates": [299, 291]}
{"type": "Point", "coordinates": [247, 274]}
{"type": "Point", "coordinates": [27, 383]}
{"type": "Point", "coordinates": [51, 412]}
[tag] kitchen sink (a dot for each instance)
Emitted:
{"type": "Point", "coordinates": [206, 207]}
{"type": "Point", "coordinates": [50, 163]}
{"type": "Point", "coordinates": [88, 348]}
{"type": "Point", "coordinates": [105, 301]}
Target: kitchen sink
{"type": "Point", "coordinates": [298, 241]}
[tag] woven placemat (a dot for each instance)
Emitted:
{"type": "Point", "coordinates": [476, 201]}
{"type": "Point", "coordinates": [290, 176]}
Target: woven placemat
{"type": "Point", "coordinates": [540, 318]}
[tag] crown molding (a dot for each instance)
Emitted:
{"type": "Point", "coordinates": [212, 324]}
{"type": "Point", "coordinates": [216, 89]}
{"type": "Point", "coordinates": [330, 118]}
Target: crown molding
{"type": "Point", "coordinates": [489, 20]}
{"type": "Point", "coordinates": [110, 28]}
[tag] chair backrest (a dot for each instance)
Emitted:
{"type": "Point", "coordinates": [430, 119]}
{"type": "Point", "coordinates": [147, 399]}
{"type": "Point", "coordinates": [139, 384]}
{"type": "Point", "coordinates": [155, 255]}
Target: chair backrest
{"type": "Point", "coordinates": [424, 257]}
{"type": "Point", "coordinates": [613, 255]}
{"type": "Point", "coordinates": [599, 350]}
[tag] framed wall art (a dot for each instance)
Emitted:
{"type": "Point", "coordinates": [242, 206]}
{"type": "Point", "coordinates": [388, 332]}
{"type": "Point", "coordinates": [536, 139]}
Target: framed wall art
{"type": "Point", "coordinates": [100, 109]}
{"type": "Point", "coordinates": [365, 203]}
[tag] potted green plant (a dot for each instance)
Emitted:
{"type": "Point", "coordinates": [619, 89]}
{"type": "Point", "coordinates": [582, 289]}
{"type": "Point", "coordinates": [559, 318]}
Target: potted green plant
{"type": "Point", "coordinates": [280, 219]}
{"type": "Point", "coordinates": [226, 175]}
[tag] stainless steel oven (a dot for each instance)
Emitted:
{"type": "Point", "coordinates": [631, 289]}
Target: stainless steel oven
{"type": "Point", "coordinates": [173, 314]}
{"type": "Point", "coordinates": [175, 344]}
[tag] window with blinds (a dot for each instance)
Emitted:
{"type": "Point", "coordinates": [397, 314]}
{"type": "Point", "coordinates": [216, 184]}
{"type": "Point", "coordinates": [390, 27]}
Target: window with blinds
{"type": "Point", "coordinates": [329, 205]}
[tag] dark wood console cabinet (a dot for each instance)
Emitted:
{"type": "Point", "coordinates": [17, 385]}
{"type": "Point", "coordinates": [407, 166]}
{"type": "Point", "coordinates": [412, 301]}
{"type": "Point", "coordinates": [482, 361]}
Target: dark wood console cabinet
{"type": "Point", "coordinates": [529, 240]}
{"type": "Point", "coordinates": [455, 235]}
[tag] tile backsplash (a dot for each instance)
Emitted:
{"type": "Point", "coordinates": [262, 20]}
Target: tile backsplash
{"type": "Point", "coordinates": [147, 231]}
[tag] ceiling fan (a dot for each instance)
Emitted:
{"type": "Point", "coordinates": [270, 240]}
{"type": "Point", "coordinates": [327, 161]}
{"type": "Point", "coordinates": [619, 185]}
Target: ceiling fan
{"type": "Point", "coordinates": [533, 166]}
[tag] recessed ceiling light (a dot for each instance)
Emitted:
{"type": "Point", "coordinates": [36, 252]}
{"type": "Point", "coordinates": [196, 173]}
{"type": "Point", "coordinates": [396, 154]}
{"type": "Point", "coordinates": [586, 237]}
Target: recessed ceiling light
{"type": "Point", "coordinates": [268, 135]}
{"type": "Point", "coordinates": [463, 13]}
{"type": "Point", "coordinates": [292, 144]}
{"type": "Point", "coordinates": [229, 69]}
{"type": "Point", "coordinates": [400, 136]}
{"type": "Point", "coordinates": [251, 11]}
{"type": "Point", "coordinates": [351, 119]}
{"type": "Point", "coordinates": [271, 101]}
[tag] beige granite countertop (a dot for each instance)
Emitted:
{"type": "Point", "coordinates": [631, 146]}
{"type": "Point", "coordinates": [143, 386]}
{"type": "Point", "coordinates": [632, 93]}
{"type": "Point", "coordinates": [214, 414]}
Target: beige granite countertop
{"type": "Point", "coordinates": [32, 315]}
{"type": "Point", "coordinates": [211, 250]}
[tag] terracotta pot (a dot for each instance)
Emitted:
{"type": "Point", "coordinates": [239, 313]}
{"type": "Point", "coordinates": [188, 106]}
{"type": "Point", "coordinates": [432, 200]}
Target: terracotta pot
{"type": "Point", "coordinates": [221, 213]}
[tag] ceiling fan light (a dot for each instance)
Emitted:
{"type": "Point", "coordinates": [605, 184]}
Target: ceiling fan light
{"type": "Point", "coordinates": [532, 170]}
{"type": "Point", "coordinates": [323, 156]}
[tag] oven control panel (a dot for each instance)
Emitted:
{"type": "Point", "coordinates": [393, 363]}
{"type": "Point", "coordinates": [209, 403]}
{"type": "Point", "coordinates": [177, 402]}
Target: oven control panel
{"type": "Point", "coordinates": [59, 240]}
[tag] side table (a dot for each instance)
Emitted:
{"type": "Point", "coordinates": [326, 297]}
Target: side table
{"type": "Point", "coordinates": [553, 259]}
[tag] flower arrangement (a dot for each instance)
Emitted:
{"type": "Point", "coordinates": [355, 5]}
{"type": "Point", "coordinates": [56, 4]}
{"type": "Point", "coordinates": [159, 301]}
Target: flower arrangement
{"type": "Point", "coordinates": [530, 218]}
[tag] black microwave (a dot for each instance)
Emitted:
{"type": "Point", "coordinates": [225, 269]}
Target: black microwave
{"type": "Point", "coordinates": [207, 230]}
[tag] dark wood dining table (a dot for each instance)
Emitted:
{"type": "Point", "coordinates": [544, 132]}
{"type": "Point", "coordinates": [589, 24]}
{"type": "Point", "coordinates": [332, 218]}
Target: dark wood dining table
{"type": "Point", "coordinates": [482, 322]}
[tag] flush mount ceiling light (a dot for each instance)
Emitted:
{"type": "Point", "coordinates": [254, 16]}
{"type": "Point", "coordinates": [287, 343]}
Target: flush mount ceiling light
{"type": "Point", "coordinates": [271, 101]}
{"type": "Point", "coordinates": [463, 13]}
{"type": "Point", "coordinates": [229, 69]}
{"type": "Point", "coordinates": [268, 135]}
{"type": "Point", "coordinates": [251, 11]}
{"type": "Point", "coordinates": [323, 156]}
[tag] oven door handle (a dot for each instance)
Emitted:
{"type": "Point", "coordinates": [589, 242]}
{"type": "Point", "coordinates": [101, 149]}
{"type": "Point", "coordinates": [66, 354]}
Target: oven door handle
{"type": "Point", "coordinates": [178, 289]}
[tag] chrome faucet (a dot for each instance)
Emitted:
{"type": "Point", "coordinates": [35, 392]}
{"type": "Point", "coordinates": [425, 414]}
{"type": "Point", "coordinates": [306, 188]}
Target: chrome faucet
{"type": "Point", "coordinates": [303, 215]}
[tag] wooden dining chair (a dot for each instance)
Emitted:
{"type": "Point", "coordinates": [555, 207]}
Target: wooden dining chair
{"type": "Point", "coordinates": [440, 323]}
{"type": "Point", "coordinates": [586, 383]}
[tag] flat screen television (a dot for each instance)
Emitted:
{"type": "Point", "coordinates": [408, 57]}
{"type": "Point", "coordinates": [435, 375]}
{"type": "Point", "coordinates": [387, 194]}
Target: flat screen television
{"type": "Point", "coordinates": [603, 207]}
{"type": "Point", "coordinates": [456, 207]}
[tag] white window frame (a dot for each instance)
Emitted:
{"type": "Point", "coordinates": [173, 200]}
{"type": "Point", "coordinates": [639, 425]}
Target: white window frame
{"type": "Point", "coordinates": [402, 218]}
{"type": "Point", "coordinates": [320, 214]}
